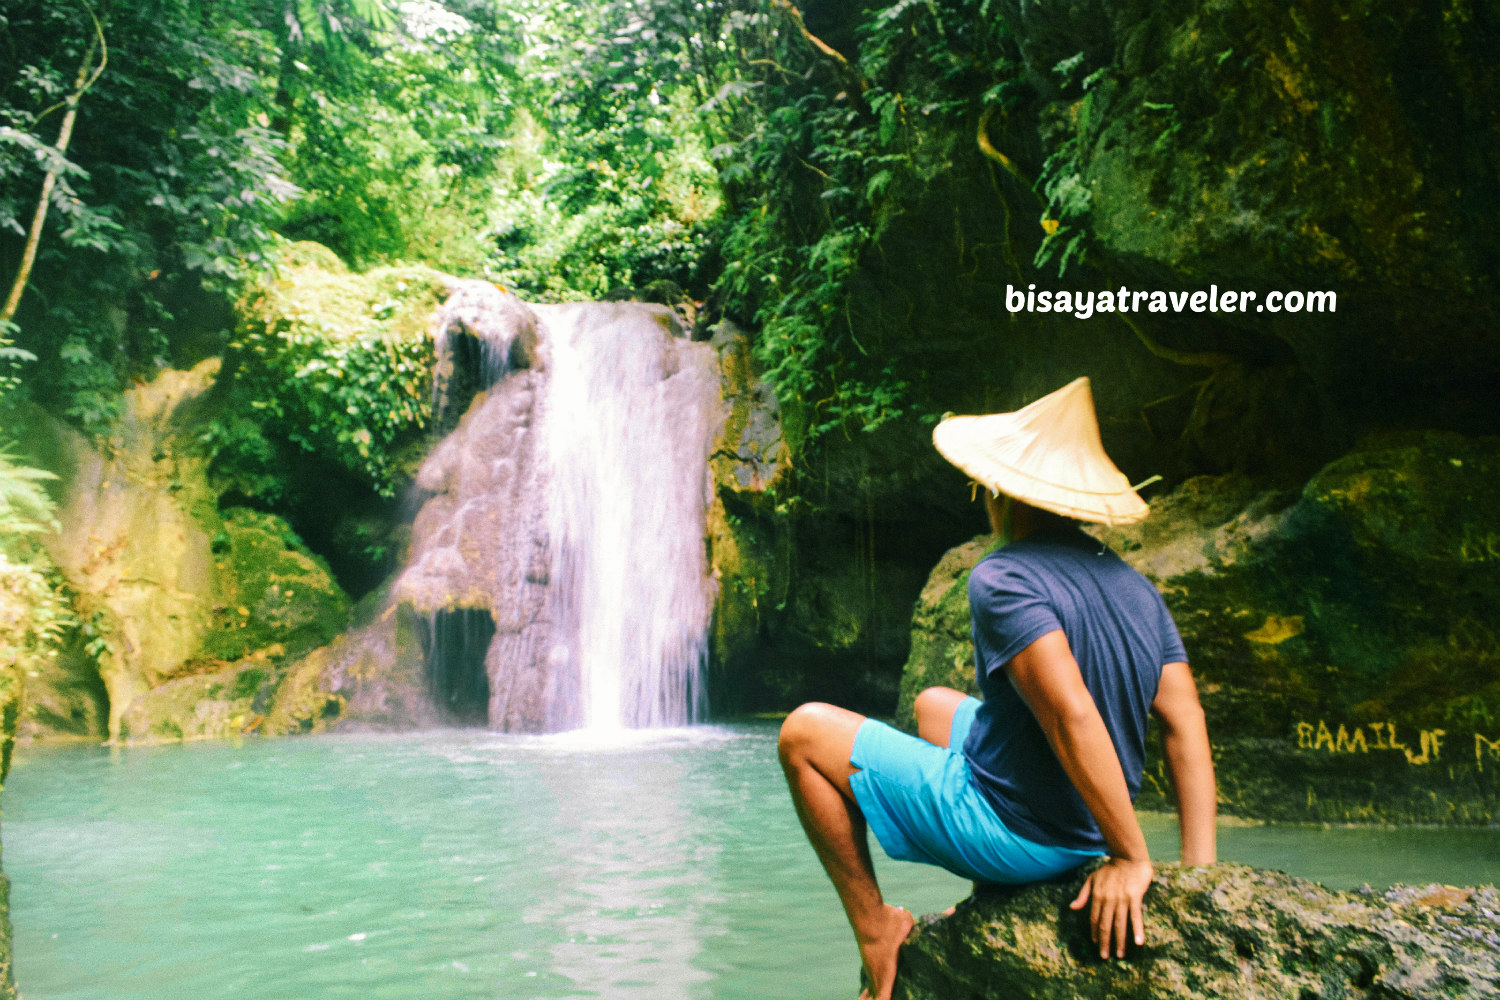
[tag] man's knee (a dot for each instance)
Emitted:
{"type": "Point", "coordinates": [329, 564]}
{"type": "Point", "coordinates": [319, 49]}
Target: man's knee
{"type": "Point", "coordinates": [938, 700]}
{"type": "Point", "coordinates": [934, 709]}
{"type": "Point", "coordinates": [801, 728]}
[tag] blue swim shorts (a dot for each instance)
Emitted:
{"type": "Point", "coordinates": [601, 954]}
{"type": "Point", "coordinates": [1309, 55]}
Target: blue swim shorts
{"type": "Point", "coordinates": [922, 804]}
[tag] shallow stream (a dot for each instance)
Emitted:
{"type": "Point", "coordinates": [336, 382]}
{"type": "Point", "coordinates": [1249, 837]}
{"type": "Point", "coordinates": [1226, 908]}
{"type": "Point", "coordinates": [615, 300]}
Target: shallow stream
{"type": "Point", "coordinates": [468, 864]}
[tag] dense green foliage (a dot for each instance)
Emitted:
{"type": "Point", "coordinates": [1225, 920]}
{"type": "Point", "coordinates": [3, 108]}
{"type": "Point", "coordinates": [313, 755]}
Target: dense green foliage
{"type": "Point", "coordinates": [609, 184]}
{"type": "Point", "coordinates": [563, 151]}
{"type": "Point", "coordinates": [335, 363]}
{"type": "Point", "coordinates": [35, 615]}
{"type": "Point", "coordinates": [171, 181]}
{"type": "Point", "coordinates": [555, 149]}
{"type": "Point", "coordinates": [834, 154]}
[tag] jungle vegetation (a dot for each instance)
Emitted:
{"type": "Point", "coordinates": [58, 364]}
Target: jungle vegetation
{"type": "Point", "coordinates": [167, 148]}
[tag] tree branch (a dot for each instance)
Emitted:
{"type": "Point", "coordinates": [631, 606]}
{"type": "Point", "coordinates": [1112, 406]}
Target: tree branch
{"type": "Point", "coordinates": [844, 67]}
{"type": "Point", "coordinates": [84, 81]}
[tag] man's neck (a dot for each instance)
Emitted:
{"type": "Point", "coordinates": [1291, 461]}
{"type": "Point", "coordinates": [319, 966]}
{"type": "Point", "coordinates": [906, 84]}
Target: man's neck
{"type": "Point", "coordinates": [1011, 520]}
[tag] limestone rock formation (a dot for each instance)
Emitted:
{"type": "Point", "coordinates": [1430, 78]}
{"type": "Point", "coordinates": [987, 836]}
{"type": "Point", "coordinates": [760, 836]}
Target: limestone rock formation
{"type": "Point", "coordinates": [372, 675]}
{"type": "Point", "coordinates": [813, 577]}
{"type": "Point", "coordinates": [135, 549]}
{"type": "Point", "coordinates": [481, 541]}
{"type": "Point", "coordinates": [1224, 931]}
{"type": "Point", "coordinates": [202, 706]}
{"type": "Point", "coordinates": [172, 597]}
{"type": "Point", "coordinates": [1342, 637]}
{"type": "Point", "coordinates": [749, 461]}
{"type": "Point", "coordinates": [568, 434]}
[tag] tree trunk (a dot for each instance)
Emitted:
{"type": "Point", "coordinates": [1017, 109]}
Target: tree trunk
{"type": "Point", "coordinates": [64, 136]}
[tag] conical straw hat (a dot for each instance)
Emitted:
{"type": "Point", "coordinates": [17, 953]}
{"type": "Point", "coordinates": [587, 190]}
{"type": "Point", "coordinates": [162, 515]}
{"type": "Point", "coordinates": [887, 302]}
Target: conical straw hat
{"type": "Point", "coordinates": [1047, 454]}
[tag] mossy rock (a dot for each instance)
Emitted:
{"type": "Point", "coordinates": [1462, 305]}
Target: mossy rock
{"type": "Point", "coordinates": [313, 293]}
{"type": "Point", "coordinates": [1219, 931]}
{"type": "Point", "coordinates": [272, 591]}
{"type": "Point", "coordinates": [372, 675]}
{"type": "Point", "coordinates": [942, 650]}
{"type": "Point", "coordinates": [136, 517]}
{"type": "Point", "coordinates": [218, 705]}
{"type": "Point", "coordinates": [303, 703]}
{"type": "Point", "coordinates": [332, 362]}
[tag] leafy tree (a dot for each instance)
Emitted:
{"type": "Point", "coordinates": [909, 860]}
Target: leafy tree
{"type": "Point", "coordinates": [398, 146]}
{"type": "Point", "coordinates": [170, 183]}
{"type": "Point", "coordinates": [838, 144]}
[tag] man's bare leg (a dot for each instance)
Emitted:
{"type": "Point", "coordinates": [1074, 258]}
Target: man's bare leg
{"type": "Point", "coordinates": [816, 743]}
{"type": "Point", "coordinates": [935, 707]}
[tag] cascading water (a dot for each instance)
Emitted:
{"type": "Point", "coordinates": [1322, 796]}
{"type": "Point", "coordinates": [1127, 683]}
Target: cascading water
{"type": "Point", "coordinates": [628, 434]}
{"type": "Point", "coordinates": [569, 503]}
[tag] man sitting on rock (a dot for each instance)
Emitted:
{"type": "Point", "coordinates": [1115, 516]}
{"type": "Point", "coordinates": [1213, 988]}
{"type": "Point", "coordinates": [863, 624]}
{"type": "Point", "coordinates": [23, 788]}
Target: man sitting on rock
{"type": "Point", "coordinates": [1072, 649]}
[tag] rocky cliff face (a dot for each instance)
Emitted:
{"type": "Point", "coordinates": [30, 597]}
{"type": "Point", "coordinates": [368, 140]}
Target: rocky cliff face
{"type": "Point", "coordinates": [1295, 146]}
{"type": "Point", "coordinates": [184, 614]}
{"type": "Point", "coordinates": [1340, 147]}
{"type": "Point", "coordinates": [1225, 931]}
{"type": "Point", "coordinates": [1339, 634]}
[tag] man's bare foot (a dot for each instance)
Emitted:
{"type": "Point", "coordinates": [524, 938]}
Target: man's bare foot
{"type": "Point", "coordinates": [878, 952]}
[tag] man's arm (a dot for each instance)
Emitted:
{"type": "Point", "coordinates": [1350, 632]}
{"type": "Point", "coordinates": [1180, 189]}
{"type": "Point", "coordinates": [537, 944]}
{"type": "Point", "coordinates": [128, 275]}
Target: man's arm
{"type": "Point", "coordinates": [1046, 676]}
{"type": "Point", "coordinates": [1189, 762]}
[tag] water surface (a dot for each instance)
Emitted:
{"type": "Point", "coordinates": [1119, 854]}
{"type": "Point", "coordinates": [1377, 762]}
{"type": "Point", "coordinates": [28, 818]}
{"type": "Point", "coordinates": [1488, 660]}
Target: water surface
{"type": "Point", "coordinates": [463, 863]}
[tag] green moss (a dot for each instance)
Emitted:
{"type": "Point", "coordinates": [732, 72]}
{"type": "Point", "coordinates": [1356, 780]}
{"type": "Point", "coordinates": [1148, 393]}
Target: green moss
{"type": "Point", "coordinates": [247, 684]}
{"type": "Point", "coordinates": [272, 592]}
{"type": "Point", "coordinates": [334, 362]}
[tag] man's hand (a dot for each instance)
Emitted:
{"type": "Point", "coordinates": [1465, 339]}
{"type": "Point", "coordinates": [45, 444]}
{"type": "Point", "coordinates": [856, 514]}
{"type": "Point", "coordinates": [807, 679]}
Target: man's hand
{"type": "Point", "coordinates": [1113, 894]}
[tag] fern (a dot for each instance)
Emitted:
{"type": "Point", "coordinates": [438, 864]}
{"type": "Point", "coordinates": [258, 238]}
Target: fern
{"type": "Point", "coordinates": [25, 506]}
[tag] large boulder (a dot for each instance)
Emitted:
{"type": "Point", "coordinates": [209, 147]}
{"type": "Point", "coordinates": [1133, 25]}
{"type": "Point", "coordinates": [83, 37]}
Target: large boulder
{"type": "Point", "coordinates": [1223, 931]}
{"type": "Point", "coordinates": [942, 649]}
{"type": "Point", "coordinates": [373, 676]}
{"type": "Point", "coordinates": [270, 593]}
{"type": "Point", "coordinates": [1342, 635]}
{"type": "Point", "coordinates": [221, 704]}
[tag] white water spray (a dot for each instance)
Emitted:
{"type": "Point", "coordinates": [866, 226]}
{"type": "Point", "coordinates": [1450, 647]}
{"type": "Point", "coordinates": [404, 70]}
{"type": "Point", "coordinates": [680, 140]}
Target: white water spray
{"type": "Point", "coordinates": [631, 416]}
{"type": "Point", "coordinates": [569, 505]}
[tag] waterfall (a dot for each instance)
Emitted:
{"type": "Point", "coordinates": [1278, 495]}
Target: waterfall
{"type": "Point", "coordinates": [628, 435]}
{"type": "Point", "coordinates": [569, 503]}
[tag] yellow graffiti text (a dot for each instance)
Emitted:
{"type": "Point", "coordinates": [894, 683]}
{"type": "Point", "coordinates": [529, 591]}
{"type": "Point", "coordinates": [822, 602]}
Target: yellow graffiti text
{"type": "Point", "coordinates": [1483, 746]}
{"type": "Point", "coordinates": [1383, 736]}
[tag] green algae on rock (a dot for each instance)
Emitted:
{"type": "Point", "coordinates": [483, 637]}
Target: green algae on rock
{"type": "Point", "coordinates": [272, 591]}
{"type": "Point", "coordinates": [274, 601]}
{"type": "Point", "coordinates": [162, 585]}
{"type": "Point", "coordinates": [136, 520]}
{"type": "Point", "coordinates": [222, 704]}
{"type": "Point", "coordinates": [1221, 931]}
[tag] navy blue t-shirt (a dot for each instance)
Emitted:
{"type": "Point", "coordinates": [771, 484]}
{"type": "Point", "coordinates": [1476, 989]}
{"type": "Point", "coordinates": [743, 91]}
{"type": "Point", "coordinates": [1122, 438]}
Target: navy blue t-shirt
{"type": "Point", "coordinates": [1121, 635]}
